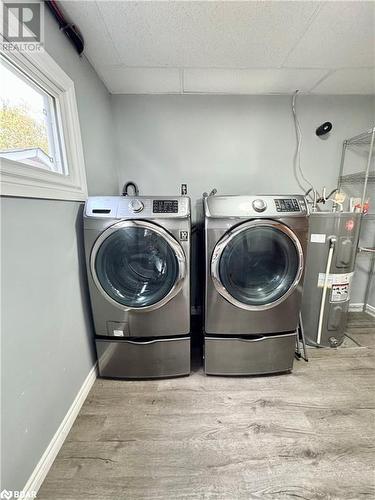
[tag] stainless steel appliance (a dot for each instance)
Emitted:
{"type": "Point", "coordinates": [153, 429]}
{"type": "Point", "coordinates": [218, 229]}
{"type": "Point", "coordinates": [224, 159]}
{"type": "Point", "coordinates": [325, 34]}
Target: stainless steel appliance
{"type": "Point", "coordinates": [333, 240]}
{"type": "Point", "coordinates": [255, 250]}
{"type": "Point", "coordinates": [138, 262]}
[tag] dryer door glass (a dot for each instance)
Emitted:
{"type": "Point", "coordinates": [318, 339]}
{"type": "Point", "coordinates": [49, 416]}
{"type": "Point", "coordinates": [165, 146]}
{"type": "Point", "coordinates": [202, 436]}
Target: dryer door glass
{"type": "Point", "coordinates": [136, 267]}
{"type": "Point", "coordinates": [259, 265]}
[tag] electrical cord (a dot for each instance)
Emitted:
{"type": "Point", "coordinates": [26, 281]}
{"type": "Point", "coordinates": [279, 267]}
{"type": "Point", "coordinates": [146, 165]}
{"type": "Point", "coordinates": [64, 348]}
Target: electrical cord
{"type": "Point", "coordinates": [297, 155]}
{"type": "Point", "coordinates": [351, 338]}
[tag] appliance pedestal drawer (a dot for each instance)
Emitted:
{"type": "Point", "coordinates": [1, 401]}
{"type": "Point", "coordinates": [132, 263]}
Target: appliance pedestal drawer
{"type": "Point", "coordinates": [255, 355]}
{"type": "Point", "coordinates": [155, 358]}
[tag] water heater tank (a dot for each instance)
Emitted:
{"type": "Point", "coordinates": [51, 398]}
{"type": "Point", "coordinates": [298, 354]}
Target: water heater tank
{"type": "Point", "coordinates": [325, 324]}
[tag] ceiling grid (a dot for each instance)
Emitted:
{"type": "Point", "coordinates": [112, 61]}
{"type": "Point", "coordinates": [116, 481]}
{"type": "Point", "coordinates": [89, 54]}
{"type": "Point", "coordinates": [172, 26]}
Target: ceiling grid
{"type": "Point", "coordinates": [258, 47]}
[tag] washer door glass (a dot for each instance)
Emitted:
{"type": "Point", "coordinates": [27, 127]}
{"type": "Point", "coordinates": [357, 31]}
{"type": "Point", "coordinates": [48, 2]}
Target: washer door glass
{"type": "Point", "coordinates": [136, 267]}
{"type": "Point", "coordinates": [259, 265]}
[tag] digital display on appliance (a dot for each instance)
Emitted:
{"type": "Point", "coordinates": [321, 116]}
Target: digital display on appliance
{"type": "Point", "coordinates": [287, 205]}
{"type": "Point", "coordinates": [165, 206]}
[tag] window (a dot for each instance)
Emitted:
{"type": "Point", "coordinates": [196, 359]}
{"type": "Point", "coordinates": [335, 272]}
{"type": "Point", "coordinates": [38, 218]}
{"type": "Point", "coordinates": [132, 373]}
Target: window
{"type": "Point", "coordinates": [29, 130]}
{"type": "Point", "coordinates": [40, 143]}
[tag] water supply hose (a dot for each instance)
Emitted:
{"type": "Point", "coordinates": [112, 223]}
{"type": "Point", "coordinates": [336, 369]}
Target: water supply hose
{"type": "Point", "coordinates": [332, 242]}
{"type": "Point", "coordinates": [133, 185]}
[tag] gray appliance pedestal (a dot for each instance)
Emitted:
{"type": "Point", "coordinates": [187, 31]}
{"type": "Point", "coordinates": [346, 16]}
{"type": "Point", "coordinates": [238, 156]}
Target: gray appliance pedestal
{"type": "Point", "coordinates": [155, 358]}
{"type": "Point", "coordinates": [253, 355]}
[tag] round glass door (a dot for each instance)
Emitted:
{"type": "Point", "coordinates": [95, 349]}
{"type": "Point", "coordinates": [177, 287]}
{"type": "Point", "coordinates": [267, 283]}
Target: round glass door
{"type": "Point", "coordinates": [258, 265]}
{"type": "Point", "coordinates": [136, 265]}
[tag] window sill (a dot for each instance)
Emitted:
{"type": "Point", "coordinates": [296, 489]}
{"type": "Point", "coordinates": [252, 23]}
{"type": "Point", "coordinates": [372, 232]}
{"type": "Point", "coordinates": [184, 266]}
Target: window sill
{"type": "Point", "coordinates": [26, 181]}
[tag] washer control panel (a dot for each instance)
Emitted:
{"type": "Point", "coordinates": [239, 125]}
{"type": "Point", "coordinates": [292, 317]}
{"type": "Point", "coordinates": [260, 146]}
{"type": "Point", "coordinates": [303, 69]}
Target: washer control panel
{"type": "Point", "coordinates": [259, 205]}
{"type": "Point", "coordinates": [165, 206]}
{"type": "Point", "coordinates": [287, 205]}
{"type": "Point", "coordinates": [135, 207]}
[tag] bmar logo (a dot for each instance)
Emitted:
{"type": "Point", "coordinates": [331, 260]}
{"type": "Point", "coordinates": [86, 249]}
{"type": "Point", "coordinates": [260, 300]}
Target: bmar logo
{"type": "Point", "coordinates": [6, 494]}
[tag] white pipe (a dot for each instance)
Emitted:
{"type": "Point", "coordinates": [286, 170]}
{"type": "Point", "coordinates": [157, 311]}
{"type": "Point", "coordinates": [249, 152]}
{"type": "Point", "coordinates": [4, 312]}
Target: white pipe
{"type": "Point", "coordinates": [334, 203]}
{"type": "Point", "coordinates": [332, 242]}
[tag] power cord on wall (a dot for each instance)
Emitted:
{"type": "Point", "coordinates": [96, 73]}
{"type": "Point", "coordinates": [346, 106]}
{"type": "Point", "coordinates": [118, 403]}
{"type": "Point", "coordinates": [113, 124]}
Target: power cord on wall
{"type": "Point", "coordinates": [297, 156]}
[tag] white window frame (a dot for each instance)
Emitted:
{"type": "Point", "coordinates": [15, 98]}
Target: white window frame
{"type": "Point", "coordinates": [18, 179]}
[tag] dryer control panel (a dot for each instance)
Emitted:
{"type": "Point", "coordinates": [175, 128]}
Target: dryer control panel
{"type": "Point", "coordinates": [137, 207]}
{"type": "Point", "coordinates": [267, 206]}
{"type": "Point", "coordinates": [287, 205]}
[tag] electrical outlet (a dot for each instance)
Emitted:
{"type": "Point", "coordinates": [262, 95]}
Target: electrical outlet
{"type": "Point", "coordinates": [184, 235]}
{"type": "Point", "coordinates": [183, 189]}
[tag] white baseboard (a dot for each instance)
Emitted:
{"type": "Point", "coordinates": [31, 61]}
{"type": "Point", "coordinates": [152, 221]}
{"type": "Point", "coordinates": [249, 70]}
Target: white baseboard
{"type": "Point", "coordinates": [356, 307]}
{"type": "Point", "coordinates": [359, 308]}
{"type": "Point", "coordinates": [41, 470]}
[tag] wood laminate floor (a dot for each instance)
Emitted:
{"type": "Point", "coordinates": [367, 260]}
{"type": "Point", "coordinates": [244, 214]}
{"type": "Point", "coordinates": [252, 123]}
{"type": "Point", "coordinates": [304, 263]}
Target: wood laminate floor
{"type": "Point", "coordinates": [309, 434]}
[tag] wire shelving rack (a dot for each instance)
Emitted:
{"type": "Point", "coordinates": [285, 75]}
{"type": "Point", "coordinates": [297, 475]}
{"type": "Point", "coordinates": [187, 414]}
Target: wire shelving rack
{"type": "Point", "coordinates": [360, 183]}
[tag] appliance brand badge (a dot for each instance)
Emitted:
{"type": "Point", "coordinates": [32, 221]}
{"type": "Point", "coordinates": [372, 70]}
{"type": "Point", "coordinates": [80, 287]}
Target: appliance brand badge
{"type": "Point", "coordinates": [184, 235]}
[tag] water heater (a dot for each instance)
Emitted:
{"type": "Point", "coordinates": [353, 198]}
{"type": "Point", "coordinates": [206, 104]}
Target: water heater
{"type": "Point", "coordinates": [333, 240]}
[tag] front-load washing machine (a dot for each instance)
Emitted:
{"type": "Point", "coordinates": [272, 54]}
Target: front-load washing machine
{"type": "Point", "coordinates": [255, 252]}
{"type": "Point", "coordinates": [138, 259]}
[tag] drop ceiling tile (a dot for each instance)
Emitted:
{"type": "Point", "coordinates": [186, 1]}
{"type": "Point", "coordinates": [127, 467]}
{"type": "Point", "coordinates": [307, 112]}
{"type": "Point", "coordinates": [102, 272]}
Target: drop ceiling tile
{"type": "Point", "coordinates": [341, 35]}
{"type": "Point", "coordinates": [98, 44]}
{"type": "Point", "coordinates": [206, 34]}
{"type": "Point", "coordinates": [348, 81]}
{"type": "Point", "coordinates": [250, 81]}
{"type": "Point", "coordinates": [122, 80]}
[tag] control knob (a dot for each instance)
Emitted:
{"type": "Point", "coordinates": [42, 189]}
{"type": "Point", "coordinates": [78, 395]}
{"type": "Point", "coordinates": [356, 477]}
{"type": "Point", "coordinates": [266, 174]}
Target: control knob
{"type": "Point", "coordinates": [136, 206]}
{"type": "Point", "coordinates": [259, 205]}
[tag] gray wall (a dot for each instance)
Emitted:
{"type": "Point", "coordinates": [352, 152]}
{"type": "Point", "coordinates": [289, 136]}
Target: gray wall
{"type": "Point", "coordinates": [238, 144]}
{"type": "Point", "coordinates": [46, 331]}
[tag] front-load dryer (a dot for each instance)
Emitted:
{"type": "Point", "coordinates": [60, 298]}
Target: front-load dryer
{"type": "Point", "coordinates": [255, 253]}
{"type": "Point", "coordinates": [138, 262]}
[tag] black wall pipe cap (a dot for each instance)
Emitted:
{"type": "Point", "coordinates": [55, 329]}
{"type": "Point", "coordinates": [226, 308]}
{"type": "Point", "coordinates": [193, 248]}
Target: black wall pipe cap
{"type": "Point", "coordinates": [324, 129]}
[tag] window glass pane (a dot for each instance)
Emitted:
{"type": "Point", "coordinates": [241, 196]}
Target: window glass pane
{"type": "Point", "coordinates": [136, 267]}
{"type": "Point", "coordinates": [259, 265]}
{"type": "Point", "coordinates": [29, 132]}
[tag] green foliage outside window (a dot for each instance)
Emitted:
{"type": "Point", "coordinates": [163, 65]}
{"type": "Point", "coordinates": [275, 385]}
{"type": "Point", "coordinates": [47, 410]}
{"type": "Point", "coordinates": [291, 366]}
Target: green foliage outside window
{"type": "Point", "coordinates": [19, 130]}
